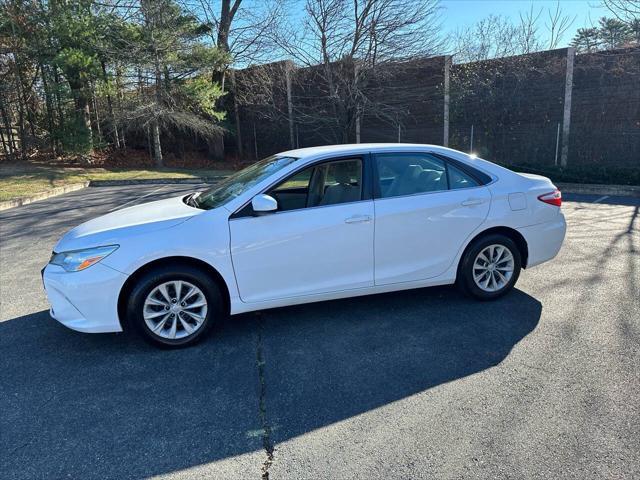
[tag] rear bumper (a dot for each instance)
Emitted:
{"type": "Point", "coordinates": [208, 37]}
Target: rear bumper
{"type": "Point", "coordinates": [544, 240]}
{"type": "Point", "coordinates": [86, 301]}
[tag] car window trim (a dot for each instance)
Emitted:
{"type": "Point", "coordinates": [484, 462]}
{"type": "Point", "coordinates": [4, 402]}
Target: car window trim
{"type": "Point", "coordinates": [366, 193]}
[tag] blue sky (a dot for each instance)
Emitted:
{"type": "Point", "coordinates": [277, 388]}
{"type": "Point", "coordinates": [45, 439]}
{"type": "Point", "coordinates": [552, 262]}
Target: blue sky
{"type": "Point", "coordinates": [464, 13]}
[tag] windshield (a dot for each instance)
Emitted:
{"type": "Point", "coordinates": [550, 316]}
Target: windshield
{"type": "Point", "coordinates": [240, 182]}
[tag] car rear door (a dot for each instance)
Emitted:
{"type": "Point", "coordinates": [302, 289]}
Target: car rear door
{"type": "Point", "coordinates": [425, 209]}
{"type": "Point", "coordinates": [318, 244]}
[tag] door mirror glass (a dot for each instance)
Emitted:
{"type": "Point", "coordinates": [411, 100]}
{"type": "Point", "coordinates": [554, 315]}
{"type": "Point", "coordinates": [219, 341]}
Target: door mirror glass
{"type": "Point", "coordinates": [264, 204]}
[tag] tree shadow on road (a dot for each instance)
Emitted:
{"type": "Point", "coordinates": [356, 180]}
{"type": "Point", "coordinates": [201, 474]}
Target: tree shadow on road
{"type": "Point", "coordinates": [108, 406]}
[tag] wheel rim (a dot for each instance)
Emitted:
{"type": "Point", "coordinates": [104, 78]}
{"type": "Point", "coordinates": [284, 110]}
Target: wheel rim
{"type": "Point", "coordinates": [175, 310]}
{"type": "Point", "coordinates": [493, 268]}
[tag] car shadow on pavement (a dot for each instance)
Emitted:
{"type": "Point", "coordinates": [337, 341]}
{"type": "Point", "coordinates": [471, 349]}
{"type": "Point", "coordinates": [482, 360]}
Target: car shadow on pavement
{"type": "Point", "coordinates": [108, 406]}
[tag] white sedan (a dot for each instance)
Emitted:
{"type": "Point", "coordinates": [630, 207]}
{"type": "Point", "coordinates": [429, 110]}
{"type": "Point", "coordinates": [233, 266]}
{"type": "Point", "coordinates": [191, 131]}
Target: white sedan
{"type": "Point", "coordinates": [304, 226]}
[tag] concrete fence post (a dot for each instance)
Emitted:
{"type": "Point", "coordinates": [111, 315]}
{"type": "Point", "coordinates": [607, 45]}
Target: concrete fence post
{"type": "Point", "coordinates": [566, 116]}
{"type": "Point", "coordinates": [236, 114]}
{"type": "Point", "coordinates": [288, 74]}
{"type": "Point", "coordinates": [447, 73]}
{"type": "Point", "coordinates": [255, 141]}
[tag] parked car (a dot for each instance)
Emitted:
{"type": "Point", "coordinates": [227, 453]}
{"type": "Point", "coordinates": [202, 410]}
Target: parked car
{"type": "Point", "coordinates": [304, 226]}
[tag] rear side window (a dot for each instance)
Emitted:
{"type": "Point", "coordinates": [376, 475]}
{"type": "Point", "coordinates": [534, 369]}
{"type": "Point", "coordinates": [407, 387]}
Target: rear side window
{"type": "Point", "coordinates": [401, 174]}
{"type": "Point", "coordinates": [408, 174]}
{"type": "Point", "coordinates": [459, 179]}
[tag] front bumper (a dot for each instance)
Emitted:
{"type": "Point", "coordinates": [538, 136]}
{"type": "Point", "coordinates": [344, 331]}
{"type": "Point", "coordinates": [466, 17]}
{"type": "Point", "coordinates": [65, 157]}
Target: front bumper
{"type": "Point", "coordinates": [86, 301]}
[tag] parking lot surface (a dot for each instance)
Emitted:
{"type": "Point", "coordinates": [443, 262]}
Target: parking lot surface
{"type": "Point", "coordinates": [543, 383]}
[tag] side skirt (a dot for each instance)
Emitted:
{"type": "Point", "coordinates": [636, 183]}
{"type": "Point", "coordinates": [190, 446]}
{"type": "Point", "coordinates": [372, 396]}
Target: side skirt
{"type": "Point", "coordinates": [237, 306]}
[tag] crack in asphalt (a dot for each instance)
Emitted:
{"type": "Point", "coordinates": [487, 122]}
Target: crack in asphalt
{"type": "Point", "coordinates": [262, 407]}
{"type": "Point", "coordinates": [28, 442]}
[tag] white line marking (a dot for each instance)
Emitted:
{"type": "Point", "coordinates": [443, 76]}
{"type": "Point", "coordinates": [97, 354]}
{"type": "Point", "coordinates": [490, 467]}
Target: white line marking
{"type": "Point", "coordinates": [138, 198]}
{"type": "Point", "coordinates": [601, 199]}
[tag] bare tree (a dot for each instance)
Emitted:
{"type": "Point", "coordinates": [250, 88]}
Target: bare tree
{"type": "Point", "coordinates": [557, 26]}
{"type": "Point", "coordinates": [624, 10]}
{"type": "Point", "coordinates": [492, 37]}
{"type": "Point", "coordinates": [241, 28]}
{"type": "Point", "coordinates": [497, 36]}
{"type": "Point", "coordinates": [346, 45]}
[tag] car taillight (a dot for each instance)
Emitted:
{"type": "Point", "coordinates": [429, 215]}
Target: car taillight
{"type": "Point", "coordinates": [552, 198]}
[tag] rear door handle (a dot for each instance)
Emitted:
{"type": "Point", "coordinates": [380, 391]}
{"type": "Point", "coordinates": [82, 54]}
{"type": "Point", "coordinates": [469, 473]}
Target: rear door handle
{"type": "Point", "coordinates": [472, 201]}
{"type": "Point", "coordinates": [358, 219]}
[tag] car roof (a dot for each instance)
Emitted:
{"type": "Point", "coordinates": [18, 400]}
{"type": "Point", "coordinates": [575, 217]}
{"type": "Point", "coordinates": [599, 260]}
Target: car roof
{"type": "Point", "coordinates": [360, 148]}
{"type": "Point", "coordinates": [310, 154]}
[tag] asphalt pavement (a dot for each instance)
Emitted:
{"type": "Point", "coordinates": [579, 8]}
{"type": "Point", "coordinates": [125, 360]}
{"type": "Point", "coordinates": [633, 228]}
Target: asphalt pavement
{"type": "Point", "coordinates": [543, 383]}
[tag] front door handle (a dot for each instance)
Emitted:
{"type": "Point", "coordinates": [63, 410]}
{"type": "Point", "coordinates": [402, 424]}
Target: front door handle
{"type": "Point", "coordinates": [472, 201]}
{"type": "Point", "coordinates": [358, 219]}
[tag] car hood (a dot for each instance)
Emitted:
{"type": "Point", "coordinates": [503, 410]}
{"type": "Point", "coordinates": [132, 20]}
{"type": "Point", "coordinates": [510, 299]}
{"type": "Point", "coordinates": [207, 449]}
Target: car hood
{"type": "Point", "coordinates": [114, 227]}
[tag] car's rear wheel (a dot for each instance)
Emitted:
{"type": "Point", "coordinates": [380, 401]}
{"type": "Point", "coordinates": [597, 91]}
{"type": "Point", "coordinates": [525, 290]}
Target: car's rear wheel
{"type": "Point", "coordinates": [490, 267]}
{"type": "Point", "coordinates": [174, 306]}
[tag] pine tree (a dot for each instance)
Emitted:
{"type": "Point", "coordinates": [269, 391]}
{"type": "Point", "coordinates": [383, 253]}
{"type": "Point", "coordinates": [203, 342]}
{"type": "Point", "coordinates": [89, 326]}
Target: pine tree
{"type": "Point", "coordinates": [586, 40]}
{"type": "Point", "coordinates": [613, 33]}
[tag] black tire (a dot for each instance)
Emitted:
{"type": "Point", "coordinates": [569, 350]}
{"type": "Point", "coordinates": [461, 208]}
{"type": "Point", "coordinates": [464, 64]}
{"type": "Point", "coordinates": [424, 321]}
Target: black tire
{"type": "Point", "coordinates": [169, 273]}
{"type": "Point", "coordinates": [465, 278]}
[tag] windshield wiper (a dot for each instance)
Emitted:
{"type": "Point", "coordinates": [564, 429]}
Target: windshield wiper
{"type": "Point", "coordinates": [191, 199]}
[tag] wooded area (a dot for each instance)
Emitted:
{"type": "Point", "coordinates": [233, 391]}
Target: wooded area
{"type": "Point", "coordinates": [83, 78]}
{"type": "Point", "coordinates": [83, 75]}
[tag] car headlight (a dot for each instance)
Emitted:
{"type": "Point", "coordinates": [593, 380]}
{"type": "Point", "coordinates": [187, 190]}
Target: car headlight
{"type": "Point", "coordinates": [76, 260]}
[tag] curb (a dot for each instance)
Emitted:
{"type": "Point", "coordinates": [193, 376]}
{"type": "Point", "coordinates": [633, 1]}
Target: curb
{"type": "Point", "coordinates": [17, 202]}
{"type": "Point", "coordinates": [597, 189]}
{"type": "Point", "coordinates": [155, 181]}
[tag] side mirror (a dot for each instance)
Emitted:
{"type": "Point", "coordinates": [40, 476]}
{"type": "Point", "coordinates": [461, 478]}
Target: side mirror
{"type": "Point", "coordinates": [262, 204]}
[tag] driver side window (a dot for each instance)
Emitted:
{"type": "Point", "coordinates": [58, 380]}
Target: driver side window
{"type": "Point", "coordinates": [330, 183]}
{"type": "Point", "coordinates": [292, 193]}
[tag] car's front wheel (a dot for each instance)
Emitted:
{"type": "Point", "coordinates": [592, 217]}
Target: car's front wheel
{"type": "Point", "coordinates": [490, 267]}
{"type": "Point", "coordinates": [174, 306]}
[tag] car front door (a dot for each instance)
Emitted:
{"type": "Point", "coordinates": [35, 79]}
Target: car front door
{"type": "Point", "coordinates": [320, 239]}
{"type": "Point", "coordinates": [425, 209]}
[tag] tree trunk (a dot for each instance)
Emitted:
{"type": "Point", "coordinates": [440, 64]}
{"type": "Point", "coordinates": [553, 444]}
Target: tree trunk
{"type": "Point", "coordinates": [227, 13]}
{"type": "Point", "coordinates": [7, 135]}
{"type": "Point", "coordinates": [56, 78]}
{"type": "Point", "coordinates": [155, 128]}
{"type": "Point", "coordinates": [112, 117]}
{"type": "Point", "coordinates": [216, 148]}
{"type": "Point", "coordinates": [95, 113]}
{"type": "Point", "coordinates": [8, 129]}
{"type": "Point", "coordinates": [49, 110]}
{"type": "Point", "coordinates": [23, 152]}
{"type": "Point", "coordinates": [157, 148]}
{"type": "Point", "coordinates": [7, 153]}
{"type": "Point", "coordinates": [120, 97]}
{"type": "Point", "coordinates": [22, 102]}
{"type": "Point", "coordinates": [83, 115]}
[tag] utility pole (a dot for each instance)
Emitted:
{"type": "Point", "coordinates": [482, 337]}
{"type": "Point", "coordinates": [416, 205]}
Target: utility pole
{"type": "Point", "coordinates": [288, 72]}
{"type": "Point", "coordinates": [447, 74]}
{"type": "Point", "coordinates": [566, 117]}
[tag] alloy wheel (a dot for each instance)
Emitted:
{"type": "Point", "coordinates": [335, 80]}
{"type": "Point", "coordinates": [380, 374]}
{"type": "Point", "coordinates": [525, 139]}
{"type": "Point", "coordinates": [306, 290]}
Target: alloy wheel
{"type": "Point", "coordinates": [493, 268]}
{"type": "Point", "coordinates": [175, 309]}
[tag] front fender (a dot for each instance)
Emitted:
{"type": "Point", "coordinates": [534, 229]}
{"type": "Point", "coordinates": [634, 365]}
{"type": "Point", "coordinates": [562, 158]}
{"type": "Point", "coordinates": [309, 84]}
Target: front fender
{"type": "Point", "coordinates": [204, 237]}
